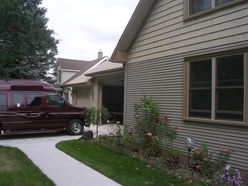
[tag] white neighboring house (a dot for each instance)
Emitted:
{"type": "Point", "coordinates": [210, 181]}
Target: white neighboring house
{"type": "Point", "coordinates": [67, 71]}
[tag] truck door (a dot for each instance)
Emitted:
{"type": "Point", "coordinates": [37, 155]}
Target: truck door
{"type": "Point", "coordinates": [56, 112]}
{"type": "Point", "coordinates": [36, 116]}
{"type": "Point", "coordinates": [4, 114]}
{"type": "Point", "coordinates": [17, 111]}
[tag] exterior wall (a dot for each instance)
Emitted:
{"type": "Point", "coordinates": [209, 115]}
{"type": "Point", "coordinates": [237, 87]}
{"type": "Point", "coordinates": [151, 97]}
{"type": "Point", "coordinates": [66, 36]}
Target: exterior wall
{"type": "Point", "coordinates": [65, 75]}
{"type": "Point", "coordinates": [81, 96]}
{"type": "Point", "coordinates": [155, 67]}
{"type": "Point", "coordinates": [165, 32]}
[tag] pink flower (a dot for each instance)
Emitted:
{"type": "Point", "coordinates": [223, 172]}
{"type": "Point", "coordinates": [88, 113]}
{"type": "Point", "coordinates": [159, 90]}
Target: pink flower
{"type": "Point", "coordinates": [154, 123]}
{"type": "Point", "coordinates": [175, 128]}
{"type": "Point", "coordinates": [117, 122]}
{"type": "Point", "coordinates": [204, 159]}
{"type": "Point", "coordinates": [107, 121]}
{"type": "Point", "coordinates": [197, 166]}
{"type": "Point", "coordinates": [149, 134]}
{"type": "Point", "coordinates": [166, 117]}
{"type": "Point", "coordinates": [110, 131]}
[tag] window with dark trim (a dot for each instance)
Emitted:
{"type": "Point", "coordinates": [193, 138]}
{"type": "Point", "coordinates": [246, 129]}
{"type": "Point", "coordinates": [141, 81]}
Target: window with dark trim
{"type": "Point", "coordinates": [33, 99]}
{"type": "Point", "coordinates": [53, 100]}
{"type": "Point", "coordinates": [18, 99]}
{"type": "Point", "coordinates": [3, 101]}
{"type": "Point", "coordinates": [216, 88]}
{"type": "Point", "coordinates": [194, 8]}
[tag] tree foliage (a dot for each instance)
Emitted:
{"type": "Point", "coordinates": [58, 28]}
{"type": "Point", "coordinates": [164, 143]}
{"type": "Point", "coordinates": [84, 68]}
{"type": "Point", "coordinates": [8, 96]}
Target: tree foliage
{"type": "Point", "coordinates": [27, 47]}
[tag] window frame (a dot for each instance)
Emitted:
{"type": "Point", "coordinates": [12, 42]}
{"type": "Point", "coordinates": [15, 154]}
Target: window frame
{"type": "Point", "coordinates": [186, 85]}
{"type": "Point", "coordinates": [214, 8]}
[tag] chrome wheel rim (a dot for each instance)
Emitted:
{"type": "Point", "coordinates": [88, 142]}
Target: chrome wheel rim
{"type": "Point", "coordinates": [76, 127]}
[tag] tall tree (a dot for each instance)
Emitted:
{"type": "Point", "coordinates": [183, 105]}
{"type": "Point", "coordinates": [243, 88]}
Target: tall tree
{"type": "Point", "coordinates": [27, 47]}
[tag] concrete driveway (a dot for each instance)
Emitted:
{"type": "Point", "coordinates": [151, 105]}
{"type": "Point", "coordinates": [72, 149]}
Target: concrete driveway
{"type": "Point", "coordinates": [59, 167]}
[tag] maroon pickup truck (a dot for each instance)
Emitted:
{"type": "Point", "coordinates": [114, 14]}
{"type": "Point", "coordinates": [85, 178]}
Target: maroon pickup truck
{"type": "Point", "coordinates": [31, 106]}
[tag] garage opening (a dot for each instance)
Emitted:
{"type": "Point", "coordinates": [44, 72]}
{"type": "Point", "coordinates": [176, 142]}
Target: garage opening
{"type": "Point", "coordinates": [113, 99]}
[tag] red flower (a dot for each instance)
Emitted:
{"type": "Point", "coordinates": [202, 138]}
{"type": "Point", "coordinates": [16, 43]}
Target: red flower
{"type": "Point", "coordinates": [154, 123]}
{"type": "Point", "coordinates": [166, 117]}
{"type": "Point", "coordinates": [175, 128]}
{"type": "Point", "coordinates": [130, 133]}
{"type": "Point", "coordinates": [156, 117]}
{"type": "Point", "coordinates": [197, 166]}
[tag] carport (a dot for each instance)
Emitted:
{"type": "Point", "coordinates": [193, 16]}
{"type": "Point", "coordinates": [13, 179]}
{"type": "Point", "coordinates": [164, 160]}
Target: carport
{"type": "Point", "coordinates": [109, 88]}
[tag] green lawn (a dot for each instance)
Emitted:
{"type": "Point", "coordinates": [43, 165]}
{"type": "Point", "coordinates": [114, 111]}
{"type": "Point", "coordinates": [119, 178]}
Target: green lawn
{"type": "Point", "coordinates": [120, 168]}
{"type": "Point", "coordinates": [17, 170]}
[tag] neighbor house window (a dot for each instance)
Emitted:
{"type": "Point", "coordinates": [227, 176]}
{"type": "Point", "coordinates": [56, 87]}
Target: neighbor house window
{"type": "Point", "coordinates": [216, 87]}
{"type": "Point", "coordinates": [196, 7]}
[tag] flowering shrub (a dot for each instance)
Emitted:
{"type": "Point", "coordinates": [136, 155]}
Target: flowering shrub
{"type": "Point", "coordinates": [151, 125]}
{"type": "Point", "coordinates": [228, 176]}
{"type": "Point", "coordinates": [210, 163]}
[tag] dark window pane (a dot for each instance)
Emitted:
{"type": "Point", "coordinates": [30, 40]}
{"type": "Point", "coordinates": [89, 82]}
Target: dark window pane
{"type": "Point", "coordinates": [230, 71]}
{"type": "Point", "coordinates": [229, 116]}
{"type": "Point", "coordinates": [200, 103]}
{"type": "Point", "coordinates": [200, 73]}
{"type": "Point", "coordinates": [18, 99]}
{"type": "Point", "coordinates": [230, 99]}
{"type": "Point", "coordinates": [3, 102]}
{"type": "Point", "coordinates": [196, 6]}
{"type": "Point", "coordinates": [33, 99]}
{"type": "Point", "coordinates": [54, 100]}
{"type": "Point", "coordinates": [220, 2]}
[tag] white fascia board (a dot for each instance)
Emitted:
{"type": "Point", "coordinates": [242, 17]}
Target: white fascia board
{"type": "Point", "coordinates": [104, 59]}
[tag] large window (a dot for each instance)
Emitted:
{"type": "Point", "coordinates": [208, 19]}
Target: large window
{"type": "Point", "coordinates": [195, 7]}
{"type": "Point", "coordinates": [216, 88]}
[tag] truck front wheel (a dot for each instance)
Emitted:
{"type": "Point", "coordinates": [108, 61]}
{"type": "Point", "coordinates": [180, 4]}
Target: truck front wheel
{"type": "Point", "coordinates": [75, 127]}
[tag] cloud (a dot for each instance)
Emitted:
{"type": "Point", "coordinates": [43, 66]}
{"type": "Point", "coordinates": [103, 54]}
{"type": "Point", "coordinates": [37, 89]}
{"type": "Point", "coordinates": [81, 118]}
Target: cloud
{"type": "Point", "coordinates": [85, 27]}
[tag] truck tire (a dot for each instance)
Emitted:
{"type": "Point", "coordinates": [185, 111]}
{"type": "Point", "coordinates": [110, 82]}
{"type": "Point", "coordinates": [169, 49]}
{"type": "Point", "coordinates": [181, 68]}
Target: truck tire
{"type": "Point", "coordinates": [75, 127]}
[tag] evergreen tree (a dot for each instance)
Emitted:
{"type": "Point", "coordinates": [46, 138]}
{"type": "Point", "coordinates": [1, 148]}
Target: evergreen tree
{"type": "Point", "coordinates": [27, 48]}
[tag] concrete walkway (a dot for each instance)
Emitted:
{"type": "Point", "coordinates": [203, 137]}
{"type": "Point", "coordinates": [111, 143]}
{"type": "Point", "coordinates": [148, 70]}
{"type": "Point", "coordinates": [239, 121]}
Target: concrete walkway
{"type": "Point", "coordinates": [59, 167]}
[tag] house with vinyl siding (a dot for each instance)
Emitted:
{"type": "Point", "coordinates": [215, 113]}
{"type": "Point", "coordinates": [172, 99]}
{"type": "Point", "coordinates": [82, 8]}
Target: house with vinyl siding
{"type": "Point", "coordinates": [191, 57]}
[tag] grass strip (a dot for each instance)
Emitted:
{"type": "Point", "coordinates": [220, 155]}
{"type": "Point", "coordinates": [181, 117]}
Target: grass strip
{"type": "Point", "coordinates": [118, 167]}
{"type": "Point", "coordinates": [17, 169]}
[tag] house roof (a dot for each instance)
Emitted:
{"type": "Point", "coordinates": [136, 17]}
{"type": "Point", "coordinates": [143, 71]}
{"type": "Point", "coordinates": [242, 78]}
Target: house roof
{"type": "Point", "coordinates": [72, 64]}
{"type": "Point", "coordinates": [80, 78]}
{"type": "Point", "coordinates": [105, 67]}
{"type": "Point", "coordinates": [140, 15]}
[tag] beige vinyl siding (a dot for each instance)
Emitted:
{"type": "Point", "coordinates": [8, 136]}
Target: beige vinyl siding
{"type": "Point", "coordinates": [155, 68]}
{"type": "Point", "coordinates": [165, 32]}
{"type": "Point", "coordinates": [162, 79]}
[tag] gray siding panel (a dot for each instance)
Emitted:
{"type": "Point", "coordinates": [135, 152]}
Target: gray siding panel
{"type": "Point", "coordinates": [162, 79]}
{"type": "Point", "coordinates": [165, 32]}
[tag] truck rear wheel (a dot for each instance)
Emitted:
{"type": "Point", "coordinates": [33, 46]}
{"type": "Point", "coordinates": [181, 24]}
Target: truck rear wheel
{"type": "Point", "coordinates": [75, 127]}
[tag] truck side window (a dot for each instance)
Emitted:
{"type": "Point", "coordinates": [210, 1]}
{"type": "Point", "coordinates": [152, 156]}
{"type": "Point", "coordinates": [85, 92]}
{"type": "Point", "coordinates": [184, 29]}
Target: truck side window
{"type": "Point", "coordinates": [33, 99]}
{"type": "Point", "coordinates": [54, 100]}
{"type": "Point", "coordinates": [18, 99]}
{"type": "Point", "coordinates": [3, 101]}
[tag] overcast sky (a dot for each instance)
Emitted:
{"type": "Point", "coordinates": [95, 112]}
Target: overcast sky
{"type": "Point", "coordinates": [84, 27]}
